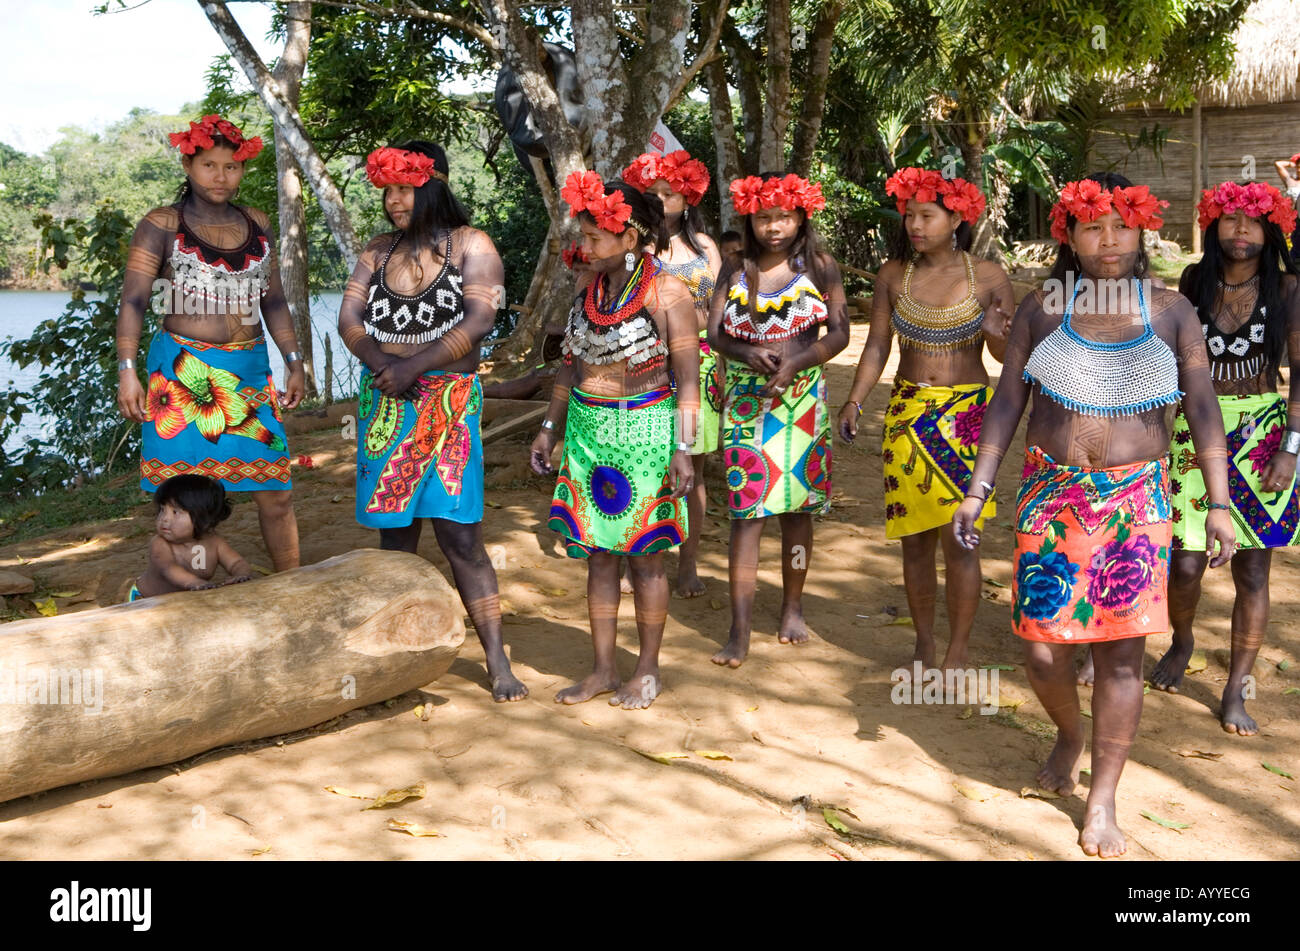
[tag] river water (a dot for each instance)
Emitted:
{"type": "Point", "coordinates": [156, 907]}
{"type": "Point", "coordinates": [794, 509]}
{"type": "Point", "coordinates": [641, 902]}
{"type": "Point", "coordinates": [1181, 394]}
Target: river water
{"type": "Point", "coordinates": [22, 311]}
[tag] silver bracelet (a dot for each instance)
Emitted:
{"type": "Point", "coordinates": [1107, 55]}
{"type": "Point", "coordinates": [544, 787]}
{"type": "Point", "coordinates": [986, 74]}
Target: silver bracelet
{"type": "Point", "coordinates": [1290, 442]}
{"type": "Point", "coordinates": [548, 425]}
{"type": "Point", "coordinates": [291, 357]}
{"type": "Point", "coordinates": [988, 489]}
{"type": "Point", "coordinates": [129, 364]}
{"type": "Point", "coordinates": [683, 447]}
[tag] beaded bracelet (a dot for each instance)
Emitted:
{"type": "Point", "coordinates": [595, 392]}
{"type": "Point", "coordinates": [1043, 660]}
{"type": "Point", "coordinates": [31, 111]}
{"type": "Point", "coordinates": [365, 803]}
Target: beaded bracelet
{"type": "Point", "coordinates": [858, 405]}
{"type": "Point", "coordinates": [1216, 505]}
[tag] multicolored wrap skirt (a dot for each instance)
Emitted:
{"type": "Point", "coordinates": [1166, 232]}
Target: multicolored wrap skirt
{"type": "Point", "coordinates": [1092, 551]}
{"type": "Point", "coordinates": [929, 442]}
{"type": "Point", "coordinates": [1254, 425]}
{"type": "Point", "coordinates": [710, 418]}
{"type": "Point", "coordinates": [212, 411]}
{"type": "Point", "coordinates": [776, 449]}
{"type": "Point", "coordinates": [420, 458]}
{"type": "Point", "coordinates": [613, 493]}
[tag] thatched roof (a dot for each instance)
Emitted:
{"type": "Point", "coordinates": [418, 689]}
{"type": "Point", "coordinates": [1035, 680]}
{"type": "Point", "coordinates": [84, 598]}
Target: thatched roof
{"type": "Point", "coordinates": [1267, 65]}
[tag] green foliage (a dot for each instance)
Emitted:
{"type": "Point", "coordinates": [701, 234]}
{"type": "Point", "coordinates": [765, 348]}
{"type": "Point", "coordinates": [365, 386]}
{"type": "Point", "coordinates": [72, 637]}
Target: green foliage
{"type": "Point", "coordinates": [77, 388]}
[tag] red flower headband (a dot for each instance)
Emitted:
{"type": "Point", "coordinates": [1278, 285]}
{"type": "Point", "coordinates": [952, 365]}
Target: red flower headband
{"type": "Point", "coordinates": [200, 136]}
{"type": "Point", "coordinates": [573, 255]}
{"type": "Point", "coordinates": [925, 185]}
{"type": "Point", "coordinates": [1256, 199]}
{"type": "Point", "coordinates": [750, 194]}
{"type": "Point", "coordinates": [1086, 200]}
{"type": "Point", "coordinates": [390, 166]}
{"type": "Point", "coordinates": [585, 191]}
{"type": "Point", "coordinates": [685, 175]}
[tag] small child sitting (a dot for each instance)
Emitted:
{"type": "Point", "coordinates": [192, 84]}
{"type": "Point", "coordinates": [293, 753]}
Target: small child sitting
{"type": "Point", "coordinates": [185, 553]}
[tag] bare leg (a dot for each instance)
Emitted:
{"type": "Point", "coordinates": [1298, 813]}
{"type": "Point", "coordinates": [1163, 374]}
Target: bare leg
{"type": "Point", "coordinates": [742, 568]}
{"type": "Point", "coordinates": [1116, 710]}
{"type": "Point", "coordinates": [624, 578]}
{"type": "Point", "coordinates": [602, 610]}
{"type": "Point", "coordinates": [796, 552]}
{"type": "Point", "coordinates": [406, 538]}
{"type": "Point", "coordinates": [689, 584]}
{"type": "Point", "coordinates": [1051, 673]}
{"type": "Point", "coordinates": [476, 580]}
{"type": "Point", "coordinates": [1185, 571]}
{"type": "Point", "coordinates": [962, 589]}
{"type": "Point", "coordinates": [922, 585]}
{"type": "Point", "coordinates": [650, 592]}
{"type": "Point", "coordinates": [279, 527]}
{"type": "Point", "coordinates": [1087, 672]}
{"type": "Point", "coordinates": [1250, 570]}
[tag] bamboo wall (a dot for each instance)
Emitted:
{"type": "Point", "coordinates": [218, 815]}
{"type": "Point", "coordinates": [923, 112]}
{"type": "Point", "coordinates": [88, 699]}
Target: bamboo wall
{"type": "Point", "coordinates": [1228, 134]}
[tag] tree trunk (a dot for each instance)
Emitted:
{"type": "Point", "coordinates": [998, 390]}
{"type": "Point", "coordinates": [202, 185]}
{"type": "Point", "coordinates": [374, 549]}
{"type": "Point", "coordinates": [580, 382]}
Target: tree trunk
{"type": "Point", "coordinates": [293, 219]}
{"type": "Point", "coordinates": [144, 684]}
{"type": "Point", "coordinates": [288, 124]}
{"type": "Point", "coordinates": [776, 106]}
{"type": "Point", "coordinates": [984, 242]}
{"type": "Point", "coordinates": [654, 71]}
{"type": "Point", "coordinates": [809, 124]}
{"type": "Point", "coordinates": [603, 79]}
{"type": "Point", "coordinates": [724, 138]}
{"type": "Point", "coordinates": [751, 95]}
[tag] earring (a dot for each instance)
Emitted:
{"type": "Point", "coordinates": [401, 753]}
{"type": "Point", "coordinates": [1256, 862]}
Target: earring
{"type": "Point", "coordinates": [629, 260]}
{"type": "Point", "coordinates": [954, 241]}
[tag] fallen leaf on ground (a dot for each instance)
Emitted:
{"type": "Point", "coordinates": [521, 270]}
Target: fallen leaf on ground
{"type": "Point", "coordinates": [340, 791]}
{"type": "Point", "coordinates": [336, 498]}
{"type": "Point", "coordinates": [994, 582]}
{"type": "Point", "coordinates": [1196, 663]}
{"type": "Point", "coordinates": [1289, 691]}
{"type": "Point", "coordinates": [552, 592]}
{"type": "Point", "coordinates": [750, 709]}
{"type": "Point", "coordinates": [714, 754]}
{"type": "Point", "coordinates": [664, 758]}
{"type": "Point", "coordinates": [966, 714]}
{"type": "Point", "coordinates": [756, 738]}
{"type": "Point", "coordinates": [507, 608]}
{"type": "Point", "coordinates": [412, 828]}
{"type": "Point", "coordinates": [902, 621]}
{"type": "Point", "coordinates": [261, 851]}
{"type": "Point", "coordinates": [715, 604]}
{"type": "Point", "coordinates": [1274, 769]}
{"type": "Point", "coordinates": [1034, 792]}
{"type": "Point", "coordinates": [997, 667]}
{"type": "Point", "coordinates": [73, 594]}
{"type": "Point", "coordinates": [973, 794]}
{"type": "Point", "coordinates": [47, 607]}
{"type": "Point", "coordinates": [1166, 823]}
{"type": "Point", "coordinates": [492, 505]}
{"type": "Point", "coordinates": [394, 796]}
{"type": "Point", "coordinates": [1283, 664]}
{"type": "Point", "coordinates": [260, 569]}
{"type": "Point", "coordinates": [834, 821]}
{"type": "Point", "coordinates": [1087, 770]}
{"type": "Point", "coordinates": [1086, 713]}
{"type": "Point", "coordinates": [105, 805]}
{"type": "Point", "coordinates": [1198, 754]}
{"type": "Point", "coordinates": [419, 711]}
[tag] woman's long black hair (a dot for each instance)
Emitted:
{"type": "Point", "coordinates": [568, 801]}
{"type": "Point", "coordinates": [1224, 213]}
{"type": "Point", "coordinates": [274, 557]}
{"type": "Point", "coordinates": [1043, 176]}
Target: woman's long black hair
{"type": "Point", "coordinates": [1200, 285]}
{"type": "Point", "coordinates": [434, 208]}
{"type": "Point", "coordinates": [646, 208]}
{"type": "Point", "coordinates": [805, 255]}
{"type": "Point", "coordinates": [1067, 262]}
{"type": "Point", "coordinates": [692, 227]}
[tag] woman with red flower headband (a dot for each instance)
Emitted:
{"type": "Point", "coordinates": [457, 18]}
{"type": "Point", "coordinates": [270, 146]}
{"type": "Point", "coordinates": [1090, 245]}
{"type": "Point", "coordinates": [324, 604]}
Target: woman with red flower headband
{"type": "Point", "coordinates": [943, 305]}
{"type": "Point", "coordinates": [680, 182]}
{"type": "Point", "coordinates": [205, 266]}
{"type": "Point", "coordinates": [420, 301]}
{"type": "Point", "coordinates": [776, 441]}
{"type": "Point", "coordinates": [1247, 295]}
{"type": "Point", "coordinates": [1289, 171]}
{"type": "Point", "coordinates": [1105, 357]}
{"type": "Point", "coordinates": [618, 490]}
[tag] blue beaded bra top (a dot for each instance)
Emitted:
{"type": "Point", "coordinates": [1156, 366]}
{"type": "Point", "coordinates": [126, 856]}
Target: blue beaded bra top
{"type": "Point", "coordinates": [1105, 379]}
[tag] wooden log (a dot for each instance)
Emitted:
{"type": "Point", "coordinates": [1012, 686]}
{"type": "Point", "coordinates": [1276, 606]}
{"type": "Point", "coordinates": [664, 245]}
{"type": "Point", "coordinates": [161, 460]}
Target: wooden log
{"type": "Point", "coordinates": [520, 423]}
{"type": "Point", "coordinates": [109, 691]}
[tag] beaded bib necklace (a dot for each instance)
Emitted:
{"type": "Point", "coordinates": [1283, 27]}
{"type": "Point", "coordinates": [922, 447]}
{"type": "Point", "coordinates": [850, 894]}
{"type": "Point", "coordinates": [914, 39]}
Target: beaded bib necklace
{"type": "Point", "coordinates": [1105, 379]}
{"type": "Point", "coordinates": [938, 329]}
{"type": "Point", "coordinates": [234, 277]}
{"type": "Point", "coordinates": [400, 318]}
{"type": "Point", "coordinates": [623, 332]}
{"type": "Point", "coordinates": [696, 275]}
{"type": "Point", "coordinates": [780, 315]}
{"type": "Point", "coordinates": [1238, 355]}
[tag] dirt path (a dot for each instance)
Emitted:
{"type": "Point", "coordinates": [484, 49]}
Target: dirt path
{"type": "Point", "coordinates": [803, 727]}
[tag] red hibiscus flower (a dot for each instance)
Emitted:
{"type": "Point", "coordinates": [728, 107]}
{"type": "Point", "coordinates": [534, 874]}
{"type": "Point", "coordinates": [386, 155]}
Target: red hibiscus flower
{"type": "Point", "coordinates": [1138, 207]}
{"type": "Point", "coordinates": [611, 212]}
{"type": "Point", "coordinates": [643, 172]}
{"type": "Point", "coordinates": [745, 194]}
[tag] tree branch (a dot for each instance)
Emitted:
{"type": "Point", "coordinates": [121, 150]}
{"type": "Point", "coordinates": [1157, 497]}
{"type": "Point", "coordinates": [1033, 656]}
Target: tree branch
{"type": "Point", "coordinates": [413, 12]}
{"type": "Point", "coordinates": [703, 56]}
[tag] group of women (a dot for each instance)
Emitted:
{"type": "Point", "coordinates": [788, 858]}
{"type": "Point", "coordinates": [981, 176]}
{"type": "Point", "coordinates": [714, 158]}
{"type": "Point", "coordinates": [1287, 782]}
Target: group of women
{"type": "Point", "coordinates": [670, 355]}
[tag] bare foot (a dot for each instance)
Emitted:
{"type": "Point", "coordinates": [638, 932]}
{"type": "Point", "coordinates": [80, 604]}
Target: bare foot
{"type": "Point", "coordinates": [1086, 675]}
{"type": "Point", "coordinates": [925, 651]}
{"type": "Point", "coordinates": [625, 583]}
{"type": "Point", "coordinates": [593, 685]}
{"type": "Point", "coordinates": [792, 626]}
{"type": "Point", "coordinates": [638, 693]}
{"type": "Point", "coordinates": [507, 687]}
{"type": "Point", "coordinates": [1234, 717]}
{"type": "Point", "coordinates": [1168, 672]}
{"type": "Point", "coordinates": [1061, 771]}
{"type": "Point", "coordinates": [955, 660]}
{"type": "Point", "coordinates": [734, 653]}
{"type": "Point", "coordinates": [1100, 835]}
{"type": "Point", "coordinates": [688, 585]}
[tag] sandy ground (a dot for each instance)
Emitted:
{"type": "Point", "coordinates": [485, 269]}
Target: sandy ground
{"type": "Point", "coordinates": [802, 728]}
